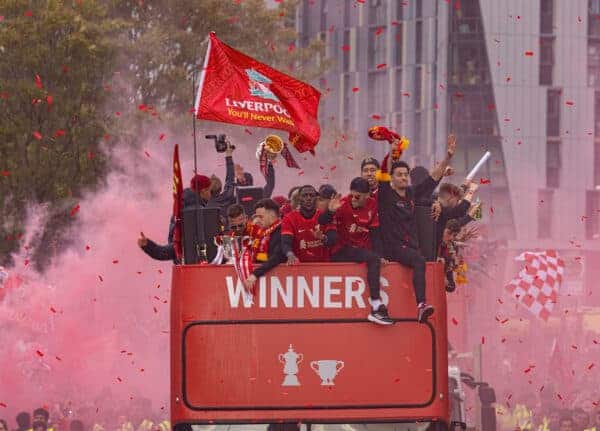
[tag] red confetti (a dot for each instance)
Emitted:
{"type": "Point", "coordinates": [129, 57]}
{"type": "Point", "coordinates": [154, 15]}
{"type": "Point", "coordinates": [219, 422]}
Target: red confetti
{"type": "Point", "coordinates": [161, 137]}
{"type": "Point", "coordinates": [346, 48]}
{"type": "Point", "coordinates": [58, 358]}
{"type": "Point", "coordinates": [381, 65]}
{"type": "Point", "coordinates": [569, 102]}
{"type": "Point", "coordinates": [100, 277]}
{"type": "Point", "coordinates": [49, 100]}
{"type": "Point", "coordinates": [87, 247]}
{"type": "Point", "coordinates": [300, 172]}
{"type": "Point", "coordinates": [378, 31]}
{"type": "Point", "coordinates": [119, 379]}
{"type": "Point", "coordinates": [355, 89]}
{"type": "Point", "coordinates": [53, 309]}
{"type": "Point", "coordinates": [492, 210]}
{"type": "Point", "coordinates": [39, 353]}
{"type": "Point", "coordinates": [38, 81]}
{"type": "Point", "coordinates": [2, 404]}
{"type": "Point", "coordinates": [591, 366]}
{"type": "Point", "coordinates": [37, 135]}
{"type": "Point", "coordinates": [484, 181]}
{"type": "Point", "coordinates": [482, 340]}
{"type": "Point", "coordinates": [454, 321]}
{"type": "Point", "coordinates": [147, 153]}
{"type": "Point", "coordinates": [118, 114]}
{"type": "Point", "coordinates": [115, 261]}
{"type": "Point", "coordinates": [155, 309]}
{"type": "Point", "coordinates": [142, 107]}
{"type": "Point", "coordinates": [74, 210]}
{"type": "Point", "coordinates": [59, 133]}
{"type": "Point", "coordinates": [5, 173]}
{"type": "Point", "coordinates": [28, 13]}
{"type": "Point", "coordinates": [291, 46]}
{"type": "Point", "coordinates": [376, 117]}
{"type": "Point", "coordinates": [529, 53]}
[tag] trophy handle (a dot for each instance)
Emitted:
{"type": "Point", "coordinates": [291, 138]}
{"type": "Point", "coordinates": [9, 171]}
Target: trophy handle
{"type": "Point", "coordinates": [281, 358]}
{"type": "Point", "coordinates": [313, 364]}
{"type": "Point", "coordinates": [300, 358]}
{"type": "Point", "coordinates": [339, 363]}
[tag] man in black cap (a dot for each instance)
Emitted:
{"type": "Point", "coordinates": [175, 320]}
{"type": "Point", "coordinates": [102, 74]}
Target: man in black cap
{"type": "Point", "coordinates": [357, 224]}
{"type": "Point", "coordinates": [368, 171]}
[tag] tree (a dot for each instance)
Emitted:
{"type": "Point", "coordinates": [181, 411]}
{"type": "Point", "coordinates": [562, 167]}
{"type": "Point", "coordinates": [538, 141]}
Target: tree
{"type": "Point", "coordinates": [67, 64]}
{"type": "Point", "coordinates": [55, 58]}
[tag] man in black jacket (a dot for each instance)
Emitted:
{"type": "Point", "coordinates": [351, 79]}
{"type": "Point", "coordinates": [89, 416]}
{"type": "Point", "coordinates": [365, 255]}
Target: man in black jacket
{"type": "Point", "coordinates": [396, 200]}
{"type": "Point", "coordinates": [269, 252]}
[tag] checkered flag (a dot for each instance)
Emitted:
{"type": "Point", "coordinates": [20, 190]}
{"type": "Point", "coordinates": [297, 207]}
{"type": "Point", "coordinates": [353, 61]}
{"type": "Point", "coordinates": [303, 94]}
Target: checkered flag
{"type": "Point", "coordinates": [536, 286]}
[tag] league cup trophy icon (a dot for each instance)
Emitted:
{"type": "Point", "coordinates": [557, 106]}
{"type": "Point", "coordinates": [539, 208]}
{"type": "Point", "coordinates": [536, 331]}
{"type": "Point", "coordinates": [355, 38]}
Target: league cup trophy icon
{"type": "Point", "coordinates": [327, 370]}
{"type": "Point", "coordinates": [290, 359]}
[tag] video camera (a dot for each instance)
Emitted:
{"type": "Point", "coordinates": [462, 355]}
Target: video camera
{"type": "Point", "coordinates": [220, 142]}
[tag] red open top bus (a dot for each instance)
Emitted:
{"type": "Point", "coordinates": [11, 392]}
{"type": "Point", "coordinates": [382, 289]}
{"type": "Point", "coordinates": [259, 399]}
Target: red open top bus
{"type": "Point", "coordinates": [304, 353]}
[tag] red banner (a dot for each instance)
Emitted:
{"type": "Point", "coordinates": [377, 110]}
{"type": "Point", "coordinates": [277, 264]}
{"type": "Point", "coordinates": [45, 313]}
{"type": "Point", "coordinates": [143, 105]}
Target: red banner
{"type": "Point", "coordinates": [237, 89]}
{"type": "Point", "coordinates": [177, 197]}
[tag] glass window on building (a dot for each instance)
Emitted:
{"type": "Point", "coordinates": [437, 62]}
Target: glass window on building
{"type": "Point", "coordinates": [546, 16]}
{"type": "Point", "coordinates": [468, 64]}
{"type": "Point", "coordinates": [466, 19]}
{"type": "Point", "coordinates": [546, 59]}
{"type": "Point", "coordinates": [597, 162]}
{"type": "Point", "coordinates": [398, 44]}
{"type": "Point", "coordinates": [593, 62]}
{"type": "Point", "coordinates": [346, 52]}
{"type": "Point", "coordinates": [545, 213]}
{"type": "Point", "coordinates": [348, 16]}
{"type": "Point", "coordinates": [377, 12]}
{"type": "Point", "coordinates": [377, 47]}
{"type": "Point", "coordinates": [398, 90]}
{"type": "Point", "coordinates": [418, 93]}
{"type": "Point", "coordinates": [553, 163]}
{"type": "Point", "coordinates": [592, 206]}
{"type": "Point", "coordinates": [378, 91]}
{"type": "Point", "coordinates": [418, 128]}
{"type": "Point", "coordinates": [347, 95]}
{"type": "Point", "coordinates": [419, 42]}
{"type": "Point", "coordinates": [553, 113]}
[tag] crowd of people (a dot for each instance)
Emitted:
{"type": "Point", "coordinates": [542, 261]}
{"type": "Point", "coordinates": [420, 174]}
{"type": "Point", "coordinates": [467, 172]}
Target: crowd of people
{"type": "Point", "coordinates": [65, 419]}
{"type": "Point", "coordinates": [375, 223]}
{"type": "Point", "coordinates": [529, 418]}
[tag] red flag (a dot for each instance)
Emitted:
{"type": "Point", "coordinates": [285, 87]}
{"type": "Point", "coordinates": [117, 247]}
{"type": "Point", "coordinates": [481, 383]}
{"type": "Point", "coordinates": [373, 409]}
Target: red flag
{"type": "Point", "coordinates": [177, 198]}
{"type": "Point", "coordinates": [237, 89]}
{"type": "Point", "coordinates": [536, 286]}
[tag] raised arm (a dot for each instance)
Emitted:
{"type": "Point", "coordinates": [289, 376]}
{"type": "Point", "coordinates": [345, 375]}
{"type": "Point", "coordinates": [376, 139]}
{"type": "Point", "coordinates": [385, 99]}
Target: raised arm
{"type": "Point", "coordinates": [270, 184]}
{"type": "Point", "coordinates": [438, 172]}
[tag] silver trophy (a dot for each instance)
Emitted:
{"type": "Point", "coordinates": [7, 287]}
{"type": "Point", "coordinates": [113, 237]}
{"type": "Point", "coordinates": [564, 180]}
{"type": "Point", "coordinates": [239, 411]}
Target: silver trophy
{"type": "Point", "coordinates": [290, 361]}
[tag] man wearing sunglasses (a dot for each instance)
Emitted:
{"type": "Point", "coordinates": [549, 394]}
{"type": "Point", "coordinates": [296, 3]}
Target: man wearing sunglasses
{"type": "Point", "coordinates": [303, 238]}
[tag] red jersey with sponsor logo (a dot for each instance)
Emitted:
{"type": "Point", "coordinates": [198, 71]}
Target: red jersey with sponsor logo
{"type": "Point", "coordinates": [308, 236]}
{"type": "Point", "coordinates": [353, 224]}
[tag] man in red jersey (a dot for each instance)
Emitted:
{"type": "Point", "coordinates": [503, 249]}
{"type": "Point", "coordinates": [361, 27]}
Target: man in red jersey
{"type": "Point", "coordinates": [357, 222]}
{"type": "Point", "coordinates": [368, 170]}
{"type": "Point", "coordinates": [303, 239]}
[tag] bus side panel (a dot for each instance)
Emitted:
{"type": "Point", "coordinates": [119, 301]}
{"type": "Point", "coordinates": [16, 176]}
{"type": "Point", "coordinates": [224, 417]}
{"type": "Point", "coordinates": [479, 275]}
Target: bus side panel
{"type": "Point", "coordinates": [228, 361]}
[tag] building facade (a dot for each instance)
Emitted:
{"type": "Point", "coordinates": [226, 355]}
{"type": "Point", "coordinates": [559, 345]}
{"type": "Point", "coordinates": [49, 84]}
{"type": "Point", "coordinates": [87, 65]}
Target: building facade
{"type": "Point", "coordinates": [521, 79]}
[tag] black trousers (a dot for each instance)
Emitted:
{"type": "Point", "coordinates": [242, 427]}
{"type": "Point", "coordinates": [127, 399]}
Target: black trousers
{"type": "Point", "coordinates": [413, 259]}
{"type": "Point", "coordinates": [362, 255]}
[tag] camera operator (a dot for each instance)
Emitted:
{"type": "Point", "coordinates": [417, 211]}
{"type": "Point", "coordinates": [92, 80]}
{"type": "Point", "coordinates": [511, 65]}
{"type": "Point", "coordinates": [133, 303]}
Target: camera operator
{"type": "Point", "coordinates": [223, 198]}
{"type": "Point", "coordinates": [200, 193]}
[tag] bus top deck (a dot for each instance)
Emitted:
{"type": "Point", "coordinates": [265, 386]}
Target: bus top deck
{"type": "Point", "coordinates": [302, 353]}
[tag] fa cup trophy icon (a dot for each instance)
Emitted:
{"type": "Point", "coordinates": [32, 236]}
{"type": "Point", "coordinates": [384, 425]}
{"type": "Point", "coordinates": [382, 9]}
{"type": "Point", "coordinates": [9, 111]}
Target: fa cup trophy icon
{"type": "Point", "coordinates": [327, 370]}
{"type": "Point", "coordinates": [290, 359]}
